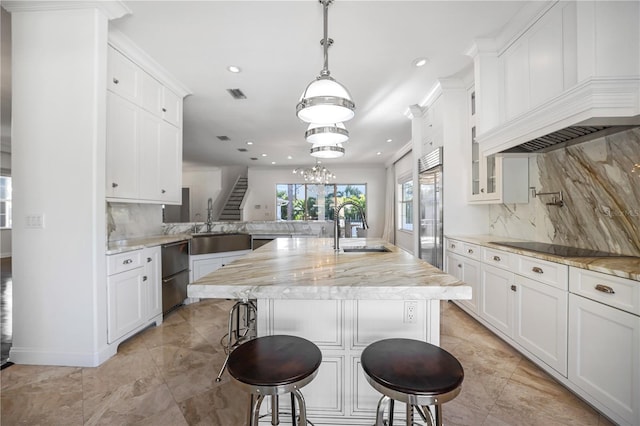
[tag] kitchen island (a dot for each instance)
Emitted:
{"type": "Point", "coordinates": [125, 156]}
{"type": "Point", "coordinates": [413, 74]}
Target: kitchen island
{"type": "Point", "coordinates": [342, 302]}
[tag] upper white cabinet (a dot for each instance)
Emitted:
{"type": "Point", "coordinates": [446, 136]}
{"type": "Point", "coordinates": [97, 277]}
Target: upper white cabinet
{"type": "Point", "coordinates": [576, 63]}
{"type": "Point", "coordinates": [144, 134]}
{"type": "Point", "coordinates": [494, 178]}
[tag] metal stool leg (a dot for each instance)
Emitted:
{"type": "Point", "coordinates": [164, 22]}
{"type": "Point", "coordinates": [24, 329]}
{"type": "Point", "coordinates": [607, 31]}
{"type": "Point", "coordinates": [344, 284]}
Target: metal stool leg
{"type": "Point", "coordinates": [254, 410]}
{"type": "Point", "coordinates": [380, 410]}
{"type": "Point", "coordinates": [249, 326]}
{"type": "Point", "coordinates": [392, 404]}
{"type": "Point", "coordinates": [302, 418]}
{"type": "Point", "coordinates": [275, 408]}
{"type": "Point", "coordinates": [293, 409]}
{"type": "Point", "coordinates": [409, 414]}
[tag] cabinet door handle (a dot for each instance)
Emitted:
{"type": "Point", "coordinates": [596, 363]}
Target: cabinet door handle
{"type": "Point", "coordinates": [537, 270]}
{"type": "Point", "coordinates": [496, 258]}
{"type": "Point", "coordinates": [453, 246]}
{"type": "Point", "coordinates": [482, 190]}
{"type": "Point", "coordinates": [164, 110]}
{"type": "Point", "coordinates": [149, 259]}
{"type": "Point", "coordinates": [605, 289]}
{"type": "Point", "coordinates": [459, 265]}
{"type": "Point", "coordinates": [114, 185]}
{"type": "Point", "coordinates": [144, 278]}
{"type": "Point", "coordinates": [115, 80]}
{"type": "Point", "coordinates": [127, 261]}
{"type": "Point", "coordinates": [513, 288]}
{"type": "Point", "coordinates": [470, 251]}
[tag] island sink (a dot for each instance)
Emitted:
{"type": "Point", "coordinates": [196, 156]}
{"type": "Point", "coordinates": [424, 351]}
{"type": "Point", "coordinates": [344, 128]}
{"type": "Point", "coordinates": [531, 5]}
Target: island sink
{"type": "Point", "coordinates": [366, 249]}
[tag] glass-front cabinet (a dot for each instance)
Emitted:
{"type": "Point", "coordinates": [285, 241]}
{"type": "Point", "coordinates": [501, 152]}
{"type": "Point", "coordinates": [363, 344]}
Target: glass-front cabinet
{"type": "Point", "coordinates": [484, 170]}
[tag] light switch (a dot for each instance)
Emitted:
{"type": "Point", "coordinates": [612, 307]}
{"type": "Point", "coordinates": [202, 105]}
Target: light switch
{"type": "Point", "coordinates": [34, 221]}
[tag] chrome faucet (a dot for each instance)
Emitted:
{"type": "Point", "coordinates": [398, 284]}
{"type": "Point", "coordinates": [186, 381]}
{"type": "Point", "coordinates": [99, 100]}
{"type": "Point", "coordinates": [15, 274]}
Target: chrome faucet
{"type": "Point", "coordinates": [336, 221]}
{"type": "Point", "coordinates": [209, 214]}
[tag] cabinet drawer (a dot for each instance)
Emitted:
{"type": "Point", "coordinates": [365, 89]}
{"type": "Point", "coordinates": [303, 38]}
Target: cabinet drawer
{"type": "Point", "coordinates": [501, 259]}
{"type": "Point", "coordinates": [551, 273]}
{"type": "Point", "coordinates": [471, 250]}
{"type": "Point", "coordinates": [614, 291]}
{"type": "Point", "coordinates": [454, 246]}
{"type": "Point", "coordinates": [121, 262]}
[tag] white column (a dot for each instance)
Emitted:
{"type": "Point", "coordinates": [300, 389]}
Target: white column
{"type": "Point", "coordinates": [59, 121]}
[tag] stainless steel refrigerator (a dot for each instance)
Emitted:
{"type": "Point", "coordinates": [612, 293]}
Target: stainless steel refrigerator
{"type": "Point", "coordinates": [431, 237]}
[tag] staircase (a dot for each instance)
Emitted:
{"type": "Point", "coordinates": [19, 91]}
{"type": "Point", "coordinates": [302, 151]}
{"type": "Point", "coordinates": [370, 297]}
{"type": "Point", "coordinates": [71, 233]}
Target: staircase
{"type": "Point", "coordinates": [231, 210]}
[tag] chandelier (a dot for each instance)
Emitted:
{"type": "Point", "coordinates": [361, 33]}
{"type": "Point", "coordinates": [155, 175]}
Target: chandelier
{"type": "Point", "coordinates": [315, 174]}
{"type": "Point", "coordinates": [326, 104]}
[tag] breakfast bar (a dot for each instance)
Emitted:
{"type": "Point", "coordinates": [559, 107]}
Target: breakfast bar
{"type": "Point", "coordinates": [342, 301]}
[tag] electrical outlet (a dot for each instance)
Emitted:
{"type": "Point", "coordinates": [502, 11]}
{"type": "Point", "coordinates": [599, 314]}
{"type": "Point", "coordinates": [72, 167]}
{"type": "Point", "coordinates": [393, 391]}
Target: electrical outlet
{"type": "Point", "coordinates": [410, 311]}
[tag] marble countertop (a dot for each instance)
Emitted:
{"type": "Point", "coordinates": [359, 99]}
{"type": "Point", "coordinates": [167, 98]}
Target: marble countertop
{"type": "Point", "coordinates": [121, 246]}
{"type": "Point", "coordinates": [308, 268]}
{"type": "Point", "coordinates": [625, 267]}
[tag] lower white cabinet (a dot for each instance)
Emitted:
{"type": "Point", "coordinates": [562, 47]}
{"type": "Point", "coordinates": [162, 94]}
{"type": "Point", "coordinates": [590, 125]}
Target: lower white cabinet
{"type": "Point", "coordinates": [541, 321]}
{"type": "Point", "coordinates": [467, 270]}
{"type": "Point", "coordinates": [134, 294]}
{"type": "Point", "coordinates": [604, 357]}
{"type": "Point", "coordinates": [497, 298]}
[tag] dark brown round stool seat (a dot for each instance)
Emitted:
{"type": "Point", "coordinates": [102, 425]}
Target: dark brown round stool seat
{"type": "Point", "coordinates": [274, 360]}
{"type": "Point", "coordinates": [271, 366]}
{"type": "Point", "coordinates": [412, 371]}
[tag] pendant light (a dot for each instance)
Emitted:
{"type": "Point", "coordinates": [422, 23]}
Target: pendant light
{"type": "Point", "coordinates": [326, 134]}
{"type": "Point", "coordinates": [315, 174]}
{"type": "Point", "coordinates": [325, 100]}
{"type": "Point", "coordinates": [327, 151]}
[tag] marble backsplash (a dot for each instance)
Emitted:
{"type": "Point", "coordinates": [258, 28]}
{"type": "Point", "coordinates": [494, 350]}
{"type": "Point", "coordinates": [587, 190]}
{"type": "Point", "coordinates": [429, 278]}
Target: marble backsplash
{"type": "Point", "coordinates": [600, 181]}
{"type": "Point", "coordinates": [128, 220]}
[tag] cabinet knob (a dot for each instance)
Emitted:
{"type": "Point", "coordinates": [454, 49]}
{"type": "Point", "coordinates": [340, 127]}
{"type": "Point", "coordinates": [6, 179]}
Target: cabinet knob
{"type": "Point", "coordinates": [115, 80]}
{"type": "Point", "coordinates": [144, 278]}
{"type": "Point", "coordinates": [148, 259]}
{"type": "Point", "coordinates": [537, 270]}
{"type": "Point", "coordinates": [127, 261]}
{"type": "Point", "coordinates": [164, 110]}
{"type": "Point", "coordinates": [513, 288]}
{"type": "Point", "coordinates": [470, 251]}
{"type": "Point", "coordinates": [459, 265]}
{"type": "Point", "coordinates": [453, 246]}
{"type": "Point", "coordinates": [605, 289]}
{"type": "Point", "coordinates": [114, 185]}
{"type": "Point", "coordinates": [482, 190]}
{"type": "Point", "coordinates": [163, 191]}
{"type": "Point", "coordinates": [496, 258]}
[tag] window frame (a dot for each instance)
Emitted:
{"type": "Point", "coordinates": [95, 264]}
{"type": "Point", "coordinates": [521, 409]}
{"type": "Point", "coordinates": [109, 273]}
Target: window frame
{"type": "Point", "coordinates": [6, 203]}
{"type": "Point", "coordinates": [405, 205]}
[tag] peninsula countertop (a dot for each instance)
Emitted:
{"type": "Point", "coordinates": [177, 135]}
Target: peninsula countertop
{"type": "Point", "coordinates": [308, 268]}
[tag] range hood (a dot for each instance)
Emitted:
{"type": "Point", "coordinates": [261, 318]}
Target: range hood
{"type": "Point", "coordinates": [592, 109]}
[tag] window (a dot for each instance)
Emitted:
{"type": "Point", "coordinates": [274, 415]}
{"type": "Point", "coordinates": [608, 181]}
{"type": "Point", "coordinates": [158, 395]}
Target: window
{"type": "Point", "coordinates": [5, 202]}
{"type": "Point", "coordinates": [405, 205]}
{"type": "Point", "coordinates": [301, 201]}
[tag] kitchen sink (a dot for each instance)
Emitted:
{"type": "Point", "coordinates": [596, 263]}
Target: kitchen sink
{"type": "Point", "coordinates": [209, 242]}
{"type": "Point", "coordinates": [366, 249]}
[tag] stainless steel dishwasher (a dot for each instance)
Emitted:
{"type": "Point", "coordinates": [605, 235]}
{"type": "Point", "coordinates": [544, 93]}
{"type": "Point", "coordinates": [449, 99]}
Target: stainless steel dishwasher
{"type": "Point", "coordinates": [175, 274]}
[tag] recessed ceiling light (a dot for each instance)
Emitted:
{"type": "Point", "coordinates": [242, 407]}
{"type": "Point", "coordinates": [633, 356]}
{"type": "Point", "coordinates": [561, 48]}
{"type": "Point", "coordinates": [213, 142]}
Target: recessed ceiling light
{"type": "Point", "coordinates": [264, 155]}
{"type": "Point", "coordinates": [233, 69]}
{"type": "Point", "coordinates": [378, 153]}
{"type": "Point", "coordinates": [389, 140]}
{"type": "Point", "coordinates": [420, 62]}
{"type": "Point", "coordinates": [289, 157]}
{"type": "Point", "coordinates": [249, 143]}
{"type": "Point", "coordinates": [273, 162]}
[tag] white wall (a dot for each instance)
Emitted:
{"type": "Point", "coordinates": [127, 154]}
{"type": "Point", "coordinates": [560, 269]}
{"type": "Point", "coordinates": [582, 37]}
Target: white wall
{"type": "Point", "coordinates": [58, 166]}
{"type": "Point", "coordinates": [261, 199]}
{"type": "Point", "coordinates": [209, 182]}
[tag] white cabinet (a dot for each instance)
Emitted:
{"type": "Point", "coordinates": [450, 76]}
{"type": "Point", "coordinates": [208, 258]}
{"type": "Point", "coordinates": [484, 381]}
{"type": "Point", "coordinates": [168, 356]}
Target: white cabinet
{"type": "Point", "coordinates": [144, 136]}
{"type": "Point", "coordinates": [604, 342]}
{"type": "Point", "coordinates": [497, 298]}
{"type": "Point", "coordinates": [541, 321]}
{"type": "Point", "coordinates": [467, 270]}
{"type": "Point", "coordinates": [134, 297]}
{"type": "Point", "coordinates": [604, 357]}
{"type": "Point", "coordinates": [494, 179]}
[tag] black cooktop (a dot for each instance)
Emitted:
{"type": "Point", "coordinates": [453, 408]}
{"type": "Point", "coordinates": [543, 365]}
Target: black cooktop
{"type": "Point", "coordinates": [557, 249]}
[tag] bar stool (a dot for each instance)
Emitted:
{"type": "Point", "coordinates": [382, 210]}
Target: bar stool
{"type": "Point", "coordinates": [242, 328]}
{"type": "Point", "coordinates": [275, 365]}
{"type": "Point", "coordinates": [414, 372]}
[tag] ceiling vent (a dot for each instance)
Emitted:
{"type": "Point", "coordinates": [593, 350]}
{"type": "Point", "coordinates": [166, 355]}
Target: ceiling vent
{"type": "Point", "coordinates": [254, 158]}
{"type": "Point", "coordinates": [224, 138]}
{"type": "Point", "coordinates": [243, 149]}
{"type": "Point", "coordinates": [236, 94]}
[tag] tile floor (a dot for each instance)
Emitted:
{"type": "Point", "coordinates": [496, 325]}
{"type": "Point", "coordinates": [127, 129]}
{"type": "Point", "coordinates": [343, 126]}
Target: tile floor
{"type": "Point", "coordinates": [165, 376]}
